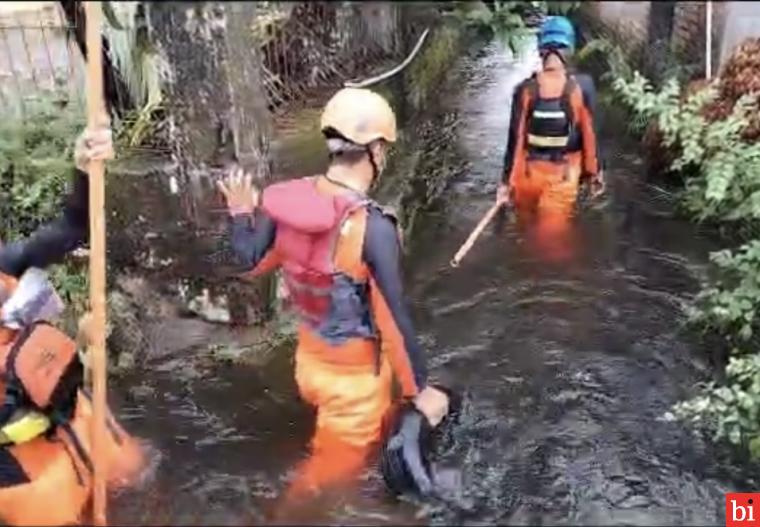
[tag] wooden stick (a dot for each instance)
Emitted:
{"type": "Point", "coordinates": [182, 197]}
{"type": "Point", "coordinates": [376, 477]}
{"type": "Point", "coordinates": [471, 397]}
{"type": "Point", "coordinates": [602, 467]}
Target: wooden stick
{"type": "Point", "coordinates": [467, 245]}
{"type": "Point", "coordinates": [96, 116]}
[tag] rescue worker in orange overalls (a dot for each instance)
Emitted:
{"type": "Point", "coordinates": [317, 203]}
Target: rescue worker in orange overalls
{"type": "Point", "coordinates": [340, 257]}
{"type": "Point", "coordinates": [45, 414]}
{"type": "Point", "coordinates": [552, 144]}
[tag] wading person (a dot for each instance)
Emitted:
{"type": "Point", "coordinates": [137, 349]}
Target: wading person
{"type": "Point", "coordinates": [340, 257]}
{"type": "Point", "coordinates": [552, 144]}
{"type": "Point", "coordinates": [45, 415]}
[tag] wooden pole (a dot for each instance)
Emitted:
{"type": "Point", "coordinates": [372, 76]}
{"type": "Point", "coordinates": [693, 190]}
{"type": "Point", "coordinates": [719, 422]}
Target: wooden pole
{"type": "Point", "coordinates": [708, 40]}
{"type": "Point", "coordinates": [96, 116]}
{"type": "Point", "coordinates": [467, 245]}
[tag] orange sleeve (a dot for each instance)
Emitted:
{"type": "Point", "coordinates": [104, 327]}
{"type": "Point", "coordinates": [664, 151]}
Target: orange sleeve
{"type": "Point", "coordinates": [269, 263]}
{"type": "Point", "coordinates": [586, 124]}
{"type": "Point", "coordinates": [517, 136]}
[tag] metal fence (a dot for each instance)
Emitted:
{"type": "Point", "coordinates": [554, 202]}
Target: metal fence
{"type": "Point", "coordinates": [35, 55]}
{"type": "Point", "coordinates": [310, 45]}
{"type": "Point", "coordinates": [306, 46]}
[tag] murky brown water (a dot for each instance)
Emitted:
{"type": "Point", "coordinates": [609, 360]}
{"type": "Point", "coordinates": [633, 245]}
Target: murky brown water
{"type": "Point", "coordinates": [566, 370]}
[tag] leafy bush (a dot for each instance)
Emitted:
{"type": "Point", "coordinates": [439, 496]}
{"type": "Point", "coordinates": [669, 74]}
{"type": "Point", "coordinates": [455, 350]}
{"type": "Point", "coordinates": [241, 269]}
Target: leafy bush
{"type": "Point", "coordinates": [732, 411]}
{"type": "Point", "coordinates": [36, 154]}
{"type": "Point", "coordinates": [730, 307]}
{"type": "Point", "coordinates": [36, 161]}
{"type": "Point", "coordinates": [722, 184]}
{"type": "Point", "coordinates": [504, 22]}
{"type": "Point", "coordinates": [723, 171]}
{"type": "Point", "coordinates": [561, 8]}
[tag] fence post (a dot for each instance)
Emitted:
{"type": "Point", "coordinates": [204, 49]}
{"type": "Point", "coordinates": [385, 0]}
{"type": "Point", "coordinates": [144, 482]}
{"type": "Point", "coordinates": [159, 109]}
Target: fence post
{"type": "Point", "coordinates": [708, 40]}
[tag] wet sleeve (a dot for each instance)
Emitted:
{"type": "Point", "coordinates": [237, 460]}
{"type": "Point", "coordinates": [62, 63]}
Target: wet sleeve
{"type": "Point", "coordinates": [588, 125]}
{"type": "Point", "coordinates": [515, 139]}
{"type": "Point", "coordinates": [382, 254]}
{"type": "Point", "coordinates": [53, 240]}
{"type": "Point", "coordinates": [252, 237]}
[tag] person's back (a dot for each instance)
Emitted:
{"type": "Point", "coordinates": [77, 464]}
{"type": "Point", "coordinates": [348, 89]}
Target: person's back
{"type": "Point", "coordinates": [340, 255]}
{"type": "Point", "coordinates": [552, 142]}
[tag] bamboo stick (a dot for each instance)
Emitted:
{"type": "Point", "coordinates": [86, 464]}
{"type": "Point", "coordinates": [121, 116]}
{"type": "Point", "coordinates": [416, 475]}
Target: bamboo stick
{"type": "Point", "coordinates": [467, 245]}
{"type": "Point", "coordinates": [96, 116]}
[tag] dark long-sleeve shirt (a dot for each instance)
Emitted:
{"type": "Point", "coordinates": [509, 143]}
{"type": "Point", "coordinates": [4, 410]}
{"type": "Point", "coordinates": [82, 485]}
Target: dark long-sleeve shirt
{"type": "Point", "coordinates": [253, 238]}
{"type": "Point", "coordinates": [52, 241]}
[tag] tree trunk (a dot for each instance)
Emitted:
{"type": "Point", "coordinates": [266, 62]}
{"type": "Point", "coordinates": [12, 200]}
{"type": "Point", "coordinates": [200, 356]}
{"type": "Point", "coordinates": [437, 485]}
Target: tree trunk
{"type": "Point", "coordinates": [215, 100]}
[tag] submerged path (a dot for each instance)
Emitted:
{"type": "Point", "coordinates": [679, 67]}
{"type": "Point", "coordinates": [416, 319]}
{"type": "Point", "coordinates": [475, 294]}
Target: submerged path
{"type": "Point", "coordinates": [566, 369]}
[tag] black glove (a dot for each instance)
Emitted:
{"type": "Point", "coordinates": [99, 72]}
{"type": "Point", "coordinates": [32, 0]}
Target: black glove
{"type": "Point", "coordinates": [405, 459]}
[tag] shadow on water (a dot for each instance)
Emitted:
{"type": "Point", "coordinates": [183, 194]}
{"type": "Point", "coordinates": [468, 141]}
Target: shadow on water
{"type": "Point", "coordinates": [567, 370]}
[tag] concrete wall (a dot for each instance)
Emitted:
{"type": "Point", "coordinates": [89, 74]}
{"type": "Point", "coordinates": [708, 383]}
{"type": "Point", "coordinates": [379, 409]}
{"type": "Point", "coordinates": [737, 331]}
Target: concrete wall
{"type": "Point", "coordinates": [689, 31]}
{"type": "Point", "coordinates": [742, 20]}
{"type": "Point", "coordinates": [630, 19]}
{"type": "Point", "coordinates": [732, 23]}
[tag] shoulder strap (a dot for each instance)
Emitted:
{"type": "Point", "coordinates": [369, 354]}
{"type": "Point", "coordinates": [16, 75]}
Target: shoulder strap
{"type": "Point", "coordinates": [14, 396]}
{"type": "Point", "coordinates": [392, 214]}
{"type": "Point", "coordinates": [532, 86]}
{"type": "Point", "coordinates": [359, 203]}
{"type": "Point", "coordinates": [566, 100]}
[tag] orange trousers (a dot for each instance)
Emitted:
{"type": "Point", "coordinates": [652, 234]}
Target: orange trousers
{"type": "Point", "coordinates": [545, 197]}
{"type": "Point", "coordinates": [60, 484]}
{"type": "Point", "coordinates": [352, 403]}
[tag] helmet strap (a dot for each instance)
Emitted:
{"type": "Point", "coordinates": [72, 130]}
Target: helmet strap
{"type": "Point", "coordinates": [547, 52]}
{"type": "Point", "coordinates": [341, 184]}
{"type": "Point", "coordinates": [375, 169]}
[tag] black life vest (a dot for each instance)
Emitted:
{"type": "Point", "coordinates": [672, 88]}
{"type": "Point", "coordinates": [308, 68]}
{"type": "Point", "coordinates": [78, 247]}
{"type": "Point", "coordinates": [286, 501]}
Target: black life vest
{"type": "Point", "coordinates": [551, 130]}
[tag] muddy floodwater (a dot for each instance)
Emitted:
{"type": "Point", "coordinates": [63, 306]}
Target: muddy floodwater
{"type": "Point", "coordinates": [566, 369]}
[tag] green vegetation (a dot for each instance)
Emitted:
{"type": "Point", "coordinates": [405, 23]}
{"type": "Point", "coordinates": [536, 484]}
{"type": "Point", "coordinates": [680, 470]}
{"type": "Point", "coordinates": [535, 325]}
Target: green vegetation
{"type": "Point", "coordinates": [560, 8]}
{"type": "Point", "coordinates": [139, 64]}
{"type": "Point", "coordinates": [431, 66]}
{"type": "Point", "coordinates": [721, 172]}
{"type": "Point", "coordinates": [504, 21]}
{"type": "Point", "coordinates": [36, 160]}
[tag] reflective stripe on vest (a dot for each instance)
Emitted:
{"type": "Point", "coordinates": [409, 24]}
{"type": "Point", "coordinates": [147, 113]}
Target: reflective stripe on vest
{"type": "Point", "coordinates": [548, 142]}
{"type": "Point", "coordinates": [550, 120]}
{"type": "Point", "coordinates": [24, 428]}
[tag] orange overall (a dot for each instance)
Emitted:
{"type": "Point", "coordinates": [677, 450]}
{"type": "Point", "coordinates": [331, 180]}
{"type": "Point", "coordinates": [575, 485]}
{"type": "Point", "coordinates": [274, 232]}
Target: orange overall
{"type": "Point", "coordinates": [348, 379]}
{"type": "Point", "coordinates": [544, 163]}
{"type": "Point", "coordinates": [47, 480]}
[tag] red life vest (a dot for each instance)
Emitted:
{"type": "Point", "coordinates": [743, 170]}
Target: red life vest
{"type": "Point", "coordinates": [309, 225]}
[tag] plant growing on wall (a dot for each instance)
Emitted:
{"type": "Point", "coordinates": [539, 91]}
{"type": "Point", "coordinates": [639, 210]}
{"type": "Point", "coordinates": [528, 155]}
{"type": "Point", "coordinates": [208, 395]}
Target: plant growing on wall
{"type": "Point", "coordinates": [561, 8]}
{"type": "Point", "coordinates": [139, 64]}
{"type": "Point", "coordinates": [503, 21]}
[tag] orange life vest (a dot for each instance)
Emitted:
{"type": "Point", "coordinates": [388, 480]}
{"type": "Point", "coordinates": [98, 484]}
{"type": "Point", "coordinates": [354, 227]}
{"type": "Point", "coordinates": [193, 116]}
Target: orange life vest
{"type": "Point", "coordinates": [39, 368]}
{"type": "Point", "coordinates": [7, 286]}
{"type": "Point", "coordinates": [47, 481]}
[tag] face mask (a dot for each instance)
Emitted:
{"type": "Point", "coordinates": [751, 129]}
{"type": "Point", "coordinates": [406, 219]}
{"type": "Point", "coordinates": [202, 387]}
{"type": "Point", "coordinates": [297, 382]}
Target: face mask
{"type": "Point", "coordinates": [34, 300]}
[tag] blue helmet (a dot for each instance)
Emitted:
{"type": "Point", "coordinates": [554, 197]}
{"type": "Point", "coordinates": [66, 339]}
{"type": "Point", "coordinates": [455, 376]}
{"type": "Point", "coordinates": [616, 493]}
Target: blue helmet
{"type": "Point", "coordinates": [556, 31]}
